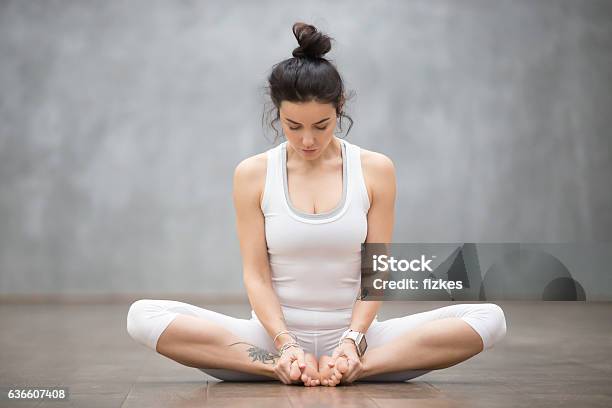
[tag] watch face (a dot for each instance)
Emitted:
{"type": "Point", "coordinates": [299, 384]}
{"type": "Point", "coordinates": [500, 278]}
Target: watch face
{"type": "Point", "coordinates": [363, 345]}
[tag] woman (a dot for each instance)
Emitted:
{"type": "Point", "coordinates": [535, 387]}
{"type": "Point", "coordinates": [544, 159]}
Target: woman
{"type": "Point", "coordinates": [303, 209]}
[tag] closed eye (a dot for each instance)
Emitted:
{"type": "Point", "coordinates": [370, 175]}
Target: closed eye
{"type": "Point", "coordinates": [316, 127]}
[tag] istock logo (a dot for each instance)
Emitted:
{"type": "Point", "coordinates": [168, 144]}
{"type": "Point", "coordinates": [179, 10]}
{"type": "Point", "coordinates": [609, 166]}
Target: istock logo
{"type": "Point", "coordinates": [382, 263]}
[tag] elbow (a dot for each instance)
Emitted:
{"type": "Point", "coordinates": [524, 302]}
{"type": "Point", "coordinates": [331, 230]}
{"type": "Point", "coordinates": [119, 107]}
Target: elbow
{"type": "Point", "coordinates": [255, 281]}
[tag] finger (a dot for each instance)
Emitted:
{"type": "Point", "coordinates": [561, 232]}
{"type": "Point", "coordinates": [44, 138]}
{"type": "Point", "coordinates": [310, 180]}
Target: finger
{"type": "Point", "coordinates": [340, 369]}
{"type": "Point", "coordinates": [337, 353]}
{"type": "Point", "coordinates": [355, 368]}
{"type": "Point", "coordinates": [281, 376]}
{"type": "Point", "coordinates": [301, 359]}
{"type": "Point", "coordinates": [336, 375]}
{"type": "Point", "coordinates": [343, 364]}
{"type": "Point", "coordinates": [333, 358]}
{"type": "Point", "coordinates": [350, 364]}
{"type": "Point", "coordinates": [286, 370]}
{"type": "Point", "coordinates": [294, 372]}
{"type": "Point", "coordinates": [305, 378]}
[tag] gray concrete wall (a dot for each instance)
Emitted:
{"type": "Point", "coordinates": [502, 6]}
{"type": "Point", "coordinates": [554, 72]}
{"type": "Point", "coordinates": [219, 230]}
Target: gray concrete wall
{"type": "Point", "coordinates": [121, 124]}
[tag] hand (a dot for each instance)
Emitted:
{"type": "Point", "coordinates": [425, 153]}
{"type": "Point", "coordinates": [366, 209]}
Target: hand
{"type": "Point", "coordinates": [290, 365]}
{"type": "Point", "coordinates": [348, 349]}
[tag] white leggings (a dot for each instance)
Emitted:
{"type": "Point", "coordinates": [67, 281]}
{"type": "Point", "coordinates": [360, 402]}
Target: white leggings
{"type": "Point", "coordinates": [148, 318]}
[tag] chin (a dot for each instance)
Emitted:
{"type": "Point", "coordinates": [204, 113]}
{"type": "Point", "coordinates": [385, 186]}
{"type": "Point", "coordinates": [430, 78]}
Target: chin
{"type": "Point", "coordinates": [310, 156]}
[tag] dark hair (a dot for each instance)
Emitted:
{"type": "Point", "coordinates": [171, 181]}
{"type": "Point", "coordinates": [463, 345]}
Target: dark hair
{"type": "Point", "coordinates": [307, 76]}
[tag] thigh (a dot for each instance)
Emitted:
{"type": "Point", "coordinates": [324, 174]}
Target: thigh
{"type": "Point", "coordinates": [250, 330]}
{"type": "Point", "coordinates": [381, 332]}
{"type": "Point", "coordinates": [148, 318]}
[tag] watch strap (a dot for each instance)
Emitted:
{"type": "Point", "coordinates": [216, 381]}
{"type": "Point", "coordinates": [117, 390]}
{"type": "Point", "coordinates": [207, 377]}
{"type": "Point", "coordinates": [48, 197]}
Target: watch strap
{"type": "Point", "coordinates": [354, 335]}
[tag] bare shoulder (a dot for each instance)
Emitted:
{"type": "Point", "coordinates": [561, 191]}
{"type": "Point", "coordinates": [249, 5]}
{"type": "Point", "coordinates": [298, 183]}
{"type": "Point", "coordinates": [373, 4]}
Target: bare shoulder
{"type": "Point", "coordinates": [378, 172]}
{"type": "Point", "coordinates": [252, 166]}
{"type": "Point", "coordinates": [375, 161]}
{"type": "Point", "coordinates": [250, 177]}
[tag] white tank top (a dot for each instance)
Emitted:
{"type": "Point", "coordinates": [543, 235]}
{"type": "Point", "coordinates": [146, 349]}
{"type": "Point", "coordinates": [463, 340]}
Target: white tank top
{"type": "Point", "coordinates": [315, 259]}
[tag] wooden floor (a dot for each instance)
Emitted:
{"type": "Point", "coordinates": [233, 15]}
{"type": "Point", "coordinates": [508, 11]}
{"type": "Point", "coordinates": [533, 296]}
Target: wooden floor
{"type": "Point", "coordinates": [555, 355]}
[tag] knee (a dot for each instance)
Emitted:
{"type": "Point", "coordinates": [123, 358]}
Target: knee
{"type": "Point", "coordinates": [496, 323]}
{"type": "Point", "coordinates": [136, 319]}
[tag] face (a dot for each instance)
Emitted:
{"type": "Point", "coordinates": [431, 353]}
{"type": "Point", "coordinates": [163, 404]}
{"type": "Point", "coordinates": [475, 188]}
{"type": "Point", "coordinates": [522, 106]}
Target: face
{"type": "Point", "coordinates": [309, 127]}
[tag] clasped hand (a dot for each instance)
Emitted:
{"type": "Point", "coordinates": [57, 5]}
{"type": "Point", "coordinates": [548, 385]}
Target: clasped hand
{"type": "Point", "coordinates": [343, 366]}
{"type": "Point", "coordinates": [290, 366]}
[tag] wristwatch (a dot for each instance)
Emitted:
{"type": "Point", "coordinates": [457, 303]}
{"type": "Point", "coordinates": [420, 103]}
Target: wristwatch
{"type": "Point", "coordinates": [358, 338]}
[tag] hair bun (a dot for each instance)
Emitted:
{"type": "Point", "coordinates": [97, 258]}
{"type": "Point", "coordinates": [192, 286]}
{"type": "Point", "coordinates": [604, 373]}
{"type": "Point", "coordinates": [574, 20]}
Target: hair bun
{"type": "Point", "coordinates": [313, 44]}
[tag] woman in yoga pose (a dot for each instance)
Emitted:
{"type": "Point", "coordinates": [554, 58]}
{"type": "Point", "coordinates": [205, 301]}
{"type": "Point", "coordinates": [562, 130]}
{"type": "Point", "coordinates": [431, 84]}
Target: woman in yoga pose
{"type": "Point", "coordinates": [303, 208]}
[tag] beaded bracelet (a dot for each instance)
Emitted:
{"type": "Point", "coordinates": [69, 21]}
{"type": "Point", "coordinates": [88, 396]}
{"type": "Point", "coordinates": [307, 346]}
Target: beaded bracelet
{"type": "Point", "coordinates": [286, 346]}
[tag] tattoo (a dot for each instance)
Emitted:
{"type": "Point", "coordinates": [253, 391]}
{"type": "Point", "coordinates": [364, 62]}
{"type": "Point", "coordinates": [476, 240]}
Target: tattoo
{"type": "Point", "coordinates": [259, 354]}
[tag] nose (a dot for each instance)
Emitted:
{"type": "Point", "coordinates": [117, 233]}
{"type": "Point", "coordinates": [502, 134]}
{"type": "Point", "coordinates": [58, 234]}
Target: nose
{"type": "Point", "coordinates": [308, 142]}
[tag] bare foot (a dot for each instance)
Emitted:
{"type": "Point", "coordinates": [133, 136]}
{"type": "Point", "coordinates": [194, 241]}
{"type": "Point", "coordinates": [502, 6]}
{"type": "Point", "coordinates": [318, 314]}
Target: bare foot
{"type": "Point", "coordinates": [331, 376]}
{"type": "Point", "coordinates": [310, 376]}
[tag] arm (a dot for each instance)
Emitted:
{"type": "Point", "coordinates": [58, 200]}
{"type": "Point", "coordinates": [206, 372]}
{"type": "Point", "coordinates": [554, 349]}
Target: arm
{"type": "Point", "coordinates": [379, 175]}
{"type": "Point", "coordinates": [249, 179]}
